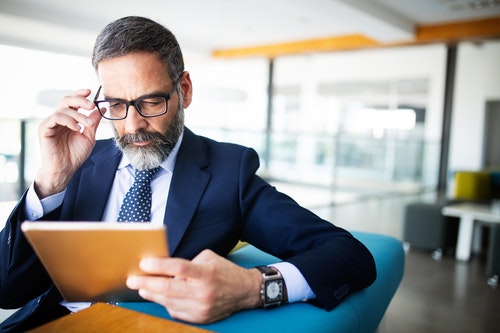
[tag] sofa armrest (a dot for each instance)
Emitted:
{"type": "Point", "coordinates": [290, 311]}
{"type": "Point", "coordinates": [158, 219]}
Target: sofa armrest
{"type": "Point", "coordinates": [360, 312]}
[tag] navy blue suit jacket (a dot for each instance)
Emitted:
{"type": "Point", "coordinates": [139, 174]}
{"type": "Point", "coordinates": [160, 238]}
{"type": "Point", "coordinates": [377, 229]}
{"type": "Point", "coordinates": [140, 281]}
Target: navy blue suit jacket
{"type": "Point", "coordinates": [215, 199]}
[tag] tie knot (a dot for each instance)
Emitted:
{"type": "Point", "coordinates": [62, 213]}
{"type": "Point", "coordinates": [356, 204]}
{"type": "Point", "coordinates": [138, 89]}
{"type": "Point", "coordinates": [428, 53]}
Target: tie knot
{"type": "Point", "coordinates": [144, 176]}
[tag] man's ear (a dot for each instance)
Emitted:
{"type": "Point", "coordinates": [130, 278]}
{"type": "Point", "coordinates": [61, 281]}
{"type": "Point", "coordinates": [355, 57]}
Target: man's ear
{"type": "Point", "coordinates": [187, 89]}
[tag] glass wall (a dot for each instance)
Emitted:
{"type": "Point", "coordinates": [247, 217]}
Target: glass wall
{"type": "Point", "coordinates": [359, 123]}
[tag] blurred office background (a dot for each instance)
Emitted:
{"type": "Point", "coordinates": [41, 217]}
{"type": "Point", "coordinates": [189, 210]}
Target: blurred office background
{"type": "Point", "coordinates": [356, 107]}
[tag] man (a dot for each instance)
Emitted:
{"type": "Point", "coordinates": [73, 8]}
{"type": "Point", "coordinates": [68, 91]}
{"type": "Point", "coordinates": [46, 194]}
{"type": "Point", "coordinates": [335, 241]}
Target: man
{"type": "Point", "coordinates": [207, 193]}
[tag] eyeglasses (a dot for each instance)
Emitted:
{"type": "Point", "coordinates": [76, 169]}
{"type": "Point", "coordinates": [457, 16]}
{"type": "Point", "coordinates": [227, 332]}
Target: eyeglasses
{"type": "Point", "coordinates": [148, 106]}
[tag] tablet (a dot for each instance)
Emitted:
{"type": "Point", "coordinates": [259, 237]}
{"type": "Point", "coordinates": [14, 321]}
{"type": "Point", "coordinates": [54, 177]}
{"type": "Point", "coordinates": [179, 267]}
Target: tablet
{"type": "Point", "coordinates": [90, 261]}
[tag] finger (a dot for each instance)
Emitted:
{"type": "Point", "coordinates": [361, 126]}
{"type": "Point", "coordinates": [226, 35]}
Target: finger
{"type": "Point", "coordinates": [177, 298]}
{"type": "Point", "coordinates": [92, 121]}
{"type": "Point", "coordinates": [153, 283]}
{"type": "Point", "coordinates": [67, 118]}
{"type": "Point", "coordinates": [160, 286]}
{"type": "Point", "coordinates": [178, 308]}
{"type": "Point", "coordinates": [156, 298]}
{"type": "Point", "coordinates": [83, 92]}
{"type": "Point", "coordinates": [77, 100]}
{"type": "Point", "coordinates": [173, 267]}
{"type": "Point", "coordinates": [82, 119]}
{"type": "Point", "coordinates": [186, 309]}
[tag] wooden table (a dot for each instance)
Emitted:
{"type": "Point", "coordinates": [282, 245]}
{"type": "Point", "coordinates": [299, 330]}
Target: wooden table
{"type": "Point", "coordinates": [469, 213]}
{"type": "Point", "coordinates": [102, 317]}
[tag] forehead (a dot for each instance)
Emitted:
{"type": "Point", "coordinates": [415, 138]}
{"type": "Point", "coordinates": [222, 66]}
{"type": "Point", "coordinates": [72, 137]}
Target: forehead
{"type": "Point", "coordinates": [132, 75]}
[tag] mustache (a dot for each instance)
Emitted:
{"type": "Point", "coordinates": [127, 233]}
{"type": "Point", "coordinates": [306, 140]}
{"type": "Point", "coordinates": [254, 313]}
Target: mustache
{"type": "Point", "coordinates": [140, 136]}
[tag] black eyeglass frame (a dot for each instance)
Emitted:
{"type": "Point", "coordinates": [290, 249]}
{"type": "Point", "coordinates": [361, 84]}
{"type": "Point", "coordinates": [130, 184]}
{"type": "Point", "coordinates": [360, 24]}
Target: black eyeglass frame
{"type": "Point", "coordinates": [136, 102]}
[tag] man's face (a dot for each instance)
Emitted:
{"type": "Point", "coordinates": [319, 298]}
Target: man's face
{"type": "Point", "coordinates": [145, 141]}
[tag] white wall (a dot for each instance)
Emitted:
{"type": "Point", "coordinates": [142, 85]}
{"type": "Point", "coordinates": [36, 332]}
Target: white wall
{"type": "Point", "coordinates": [477, 81]}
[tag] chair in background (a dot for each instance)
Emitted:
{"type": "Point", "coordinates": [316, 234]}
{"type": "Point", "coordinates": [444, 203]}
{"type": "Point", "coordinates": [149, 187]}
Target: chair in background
{"type": "Point", "coordinates": [472, 185]}
{"type": "Point", "coordinates": [425, 227]}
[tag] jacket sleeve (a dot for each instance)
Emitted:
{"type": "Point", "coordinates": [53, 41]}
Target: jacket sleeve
{"type": "Point", "coordinates": [22, 276]}
{"type": "Point", "coordinates": [333, 262]}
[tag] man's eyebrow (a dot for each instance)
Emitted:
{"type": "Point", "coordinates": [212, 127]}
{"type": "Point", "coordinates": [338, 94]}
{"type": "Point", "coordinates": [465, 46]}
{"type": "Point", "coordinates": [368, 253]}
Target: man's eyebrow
{"type": "Point", "coordinates": [156, 93]}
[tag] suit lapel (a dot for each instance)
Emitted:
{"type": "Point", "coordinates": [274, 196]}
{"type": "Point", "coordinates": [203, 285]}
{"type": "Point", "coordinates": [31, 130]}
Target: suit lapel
{"type": "Point", "coordinates": [97, 180]}
{"type": "Point", "coordinates": [186, 189]}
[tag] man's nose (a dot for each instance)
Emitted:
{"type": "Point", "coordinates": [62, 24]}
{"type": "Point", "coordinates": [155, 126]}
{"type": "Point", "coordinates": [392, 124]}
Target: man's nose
{"type": "Point", "coordinates": [134, 120]}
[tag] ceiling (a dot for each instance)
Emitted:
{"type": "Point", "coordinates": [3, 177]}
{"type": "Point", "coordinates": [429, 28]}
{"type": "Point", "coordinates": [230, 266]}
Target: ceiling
{"type": "Point", "coordinates": [203, 26]}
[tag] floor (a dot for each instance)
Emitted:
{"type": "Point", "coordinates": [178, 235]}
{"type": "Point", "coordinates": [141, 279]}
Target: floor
{"type": "Point", "coordinates": [435, 295]}
{"type": "Point", "coordinates": [443, 296]}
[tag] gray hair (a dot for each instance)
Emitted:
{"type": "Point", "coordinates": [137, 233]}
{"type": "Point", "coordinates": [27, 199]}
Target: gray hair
{"type": "Point", "coordinates": [134, 33]}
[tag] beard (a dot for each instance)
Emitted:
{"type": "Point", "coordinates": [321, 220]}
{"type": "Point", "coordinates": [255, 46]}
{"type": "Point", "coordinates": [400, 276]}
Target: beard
{"type": "Point", "coordinates": [159, 148]}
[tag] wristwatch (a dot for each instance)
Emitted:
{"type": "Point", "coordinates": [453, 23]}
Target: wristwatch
{"type": "Point", "coordinates": [273, 288]}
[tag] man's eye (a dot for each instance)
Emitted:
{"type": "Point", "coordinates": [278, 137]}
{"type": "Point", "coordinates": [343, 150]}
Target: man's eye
{"type": "Point", "coordinates": [151, 101]}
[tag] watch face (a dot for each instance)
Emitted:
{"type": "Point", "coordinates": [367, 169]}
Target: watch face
{"type": "Point", "coordinates": [273, 290]}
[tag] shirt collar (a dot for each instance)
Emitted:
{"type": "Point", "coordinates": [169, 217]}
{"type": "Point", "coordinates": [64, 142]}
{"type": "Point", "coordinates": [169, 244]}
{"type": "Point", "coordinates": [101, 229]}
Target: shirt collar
{"type": "Point", "coordinates": [167, 165]}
